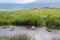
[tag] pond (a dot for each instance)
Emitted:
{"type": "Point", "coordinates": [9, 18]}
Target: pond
{"type": "Point", "coordinates": [38, 34]}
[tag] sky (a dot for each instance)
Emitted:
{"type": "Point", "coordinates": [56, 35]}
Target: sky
{"type": "Point", "coordinates": [27, 1]}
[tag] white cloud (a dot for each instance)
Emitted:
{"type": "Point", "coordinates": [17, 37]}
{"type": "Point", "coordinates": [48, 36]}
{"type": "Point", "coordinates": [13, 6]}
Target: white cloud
{"type": "Point", "coordinates": [27, 1]}
{"type": "Point", "coordinates": [17, 1]}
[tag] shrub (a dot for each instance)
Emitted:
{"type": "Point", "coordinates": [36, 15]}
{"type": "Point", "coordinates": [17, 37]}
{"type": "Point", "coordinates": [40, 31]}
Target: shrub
{"type": "Point", "coordinates": [53, 23]}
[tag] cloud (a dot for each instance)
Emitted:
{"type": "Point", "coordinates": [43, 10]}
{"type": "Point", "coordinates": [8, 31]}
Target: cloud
{"type": "Point", "coordinates": [17, 1]}
{"type": "Point", "coordinates": [27, 1]}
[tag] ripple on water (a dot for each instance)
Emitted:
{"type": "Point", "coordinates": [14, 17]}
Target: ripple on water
{"type": "Point", "coordinates": [38, 34]}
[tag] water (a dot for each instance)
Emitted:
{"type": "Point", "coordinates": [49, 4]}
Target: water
{"type": "Point", "coordinates": [11, 6]}
{"type": "Point", "coordinates": [7, 31]}
{"type": "Point", "coordinates": [38, 34]}
{"type": "Point", "coordinates": [20, 6]}
{"type": "Point", "coordinates": [41, 34]}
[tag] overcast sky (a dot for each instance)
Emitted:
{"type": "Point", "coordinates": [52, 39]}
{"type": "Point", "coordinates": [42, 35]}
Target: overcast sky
{"type": "Point", "coordinates": [27, 1]}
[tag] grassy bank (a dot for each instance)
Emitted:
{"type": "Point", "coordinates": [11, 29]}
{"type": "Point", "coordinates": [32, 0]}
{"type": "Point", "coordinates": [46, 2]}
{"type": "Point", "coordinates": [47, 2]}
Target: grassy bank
{"type": "Point", "coordinates": [16, 37]}
{"type": "Point", "coordinates": [4, 38]}
{"type": "Point", "coordinates": [49, 17]}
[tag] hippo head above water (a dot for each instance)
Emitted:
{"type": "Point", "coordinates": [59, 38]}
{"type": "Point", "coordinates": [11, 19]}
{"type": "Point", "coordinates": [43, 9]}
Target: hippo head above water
{"type": "Point", "coordinates": [33, 28]}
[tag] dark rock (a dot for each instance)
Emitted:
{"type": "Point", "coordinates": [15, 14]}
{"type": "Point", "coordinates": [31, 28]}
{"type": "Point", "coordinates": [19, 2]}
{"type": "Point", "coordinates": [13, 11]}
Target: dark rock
{"type": "Point", "coordinates": [48, 30]}
{"type": "Point", "coordinates": [4, 27]}
{"type": "Point", "coordinates": [12, 29]}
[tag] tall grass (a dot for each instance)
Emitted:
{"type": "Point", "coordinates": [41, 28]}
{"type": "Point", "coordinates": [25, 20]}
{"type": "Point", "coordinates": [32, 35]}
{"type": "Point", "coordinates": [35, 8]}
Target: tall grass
{"type": "Point", "coordinates": [16, 37]}
{"type": "Point", "coordinates": [20, 37]}
{"type": "Point", "coordinates": [4, 38]}
{"type": "Point", "coordinates": [37, 17]}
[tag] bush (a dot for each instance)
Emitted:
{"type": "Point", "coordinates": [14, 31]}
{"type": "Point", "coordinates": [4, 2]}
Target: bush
{"type": "Point", "coordinates": [53, 23]}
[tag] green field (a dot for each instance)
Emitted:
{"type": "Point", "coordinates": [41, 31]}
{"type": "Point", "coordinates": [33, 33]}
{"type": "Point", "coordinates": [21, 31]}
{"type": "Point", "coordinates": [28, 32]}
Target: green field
{"type": "Point", "coordinates": [49, 17]}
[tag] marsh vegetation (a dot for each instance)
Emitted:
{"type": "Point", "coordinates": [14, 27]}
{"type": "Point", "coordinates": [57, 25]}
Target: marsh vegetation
{"type": "Point", "coordinates": [39, 17]}
{"type": "Point", "coordinates": [48, 17]}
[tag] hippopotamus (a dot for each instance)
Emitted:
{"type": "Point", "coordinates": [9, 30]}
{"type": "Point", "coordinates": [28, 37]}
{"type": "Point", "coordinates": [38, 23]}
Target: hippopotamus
{"type": "Point", "coordinates": [33, 28]}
